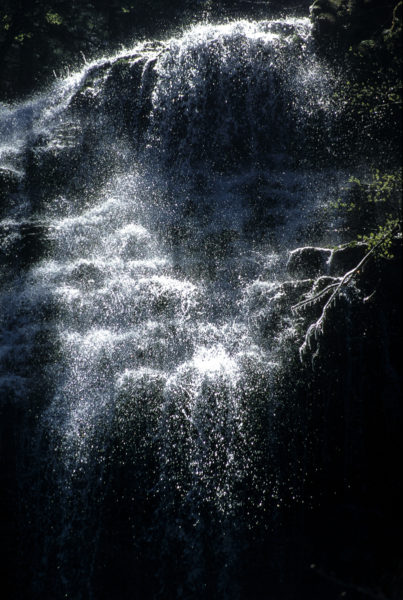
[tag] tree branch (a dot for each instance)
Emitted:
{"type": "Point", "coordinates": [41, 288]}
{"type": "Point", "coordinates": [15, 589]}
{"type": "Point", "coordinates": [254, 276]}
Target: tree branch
{"type": "Point", "coordinates": [317, 327]}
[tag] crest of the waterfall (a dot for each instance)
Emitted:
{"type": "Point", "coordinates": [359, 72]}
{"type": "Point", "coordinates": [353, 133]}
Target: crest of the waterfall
{"type": "Point", "coordinates": [236, 92]}
{"type": "Point", "coordinates": [220, 94]}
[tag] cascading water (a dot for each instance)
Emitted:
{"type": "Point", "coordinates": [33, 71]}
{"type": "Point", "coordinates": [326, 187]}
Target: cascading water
{"type": "Point", "coordinates": [155, 196]}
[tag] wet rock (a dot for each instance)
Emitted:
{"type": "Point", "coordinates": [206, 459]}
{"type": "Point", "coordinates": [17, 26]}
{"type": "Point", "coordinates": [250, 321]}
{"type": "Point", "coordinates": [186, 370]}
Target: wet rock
{"type": "Point", "coordinates": [9, 180]}
{"type": "Point", "coordinates": [219, 243]}
{"type": "Point", "coordinates": [22, 243]}
{"type": "Point", "coordinates": [294, 290]}
{"type": "Point", "coordinates": [9, 183]}
{"type": "Point", "coordinates": [177, 234]}
{"type": "Point", "coordinates": [122, 94]}
{"type": "Point", "coordinates": [86, 96]}
{"type": "Point", "coordinates": [345, 259]}
{"type": "Point", "coordinates": [118, 90]}
{"type": "Point", "coordinates": [135, 242]}
{"type": "Point", "coordinates": [51, 165]}
{"type": "Point", "coordinates": [308, 261]}
{"type": "Point", "coordinates": [87, 274]}
{"type": "Point", "coordinates": [324, 16]}
{"type": "Point", "coordinates": [339, 24]}
{"type": "Point", "coordinates": [269, 304]}
{"type": "Point", "coordinates": [46, 346]}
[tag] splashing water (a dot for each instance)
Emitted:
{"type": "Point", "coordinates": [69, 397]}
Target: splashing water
{"type": "Point", "coordinates": [163, 187]}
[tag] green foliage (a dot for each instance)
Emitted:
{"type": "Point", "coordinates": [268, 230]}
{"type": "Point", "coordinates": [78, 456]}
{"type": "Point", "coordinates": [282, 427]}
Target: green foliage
{"type": "Point", "coordinates": [21, 37]}
{"type": "Point", "coordinates": [5, 22]}
{"type": "Point", "coordinates": [383, 188]}
{"type": "Point", "coordinates": [371, 98]}
{"type": "Point", "coordinates": [382, 238]}
{"type": "Point", "coordinates": [53, 18]}
{"type": "Point", "coordinates": [371, 210]}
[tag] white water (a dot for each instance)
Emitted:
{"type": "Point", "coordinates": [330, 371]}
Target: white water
{"type": "Point", "coordinates": [161, 283]}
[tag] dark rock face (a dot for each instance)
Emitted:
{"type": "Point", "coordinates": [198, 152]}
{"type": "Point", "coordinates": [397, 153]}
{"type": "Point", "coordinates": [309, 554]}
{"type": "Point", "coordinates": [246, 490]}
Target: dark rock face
{"type": "Point", "coordinates": [344, 259]}
{"type": "Point", "coordinates": [308, 261]}
{"type": "Point", "coordinates": [340, 24]}
{"type": "Point", "coordinates": [8, 181]}
{"type": "Point", "coordinates": [325, 14]}
{"type": "Point", "coordinates": [345, 422]}
{"type": "Point", "coordinates": [358, 378]}
{"type": "Point", "coordinates": [348, 391]}
{"type": "Point", "coordinates": [363, 39]}
{"type": "Point", "coordinates": [21, 243]}
{"type": "Point", "coordinates": [86, 274]}
{"type": "Point", "coordinates": [9, 184]}
{"type": "Point", "coordinates": [124, 98]}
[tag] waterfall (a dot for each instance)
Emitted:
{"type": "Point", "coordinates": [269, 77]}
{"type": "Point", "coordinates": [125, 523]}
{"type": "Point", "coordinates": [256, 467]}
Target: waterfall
{"type": "Point", "coordinates": [153, 199]}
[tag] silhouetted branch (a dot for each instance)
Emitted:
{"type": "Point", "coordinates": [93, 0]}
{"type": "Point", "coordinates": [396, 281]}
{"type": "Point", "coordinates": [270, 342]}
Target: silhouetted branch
{"type": "Point", "coordinates": [315, 328]}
